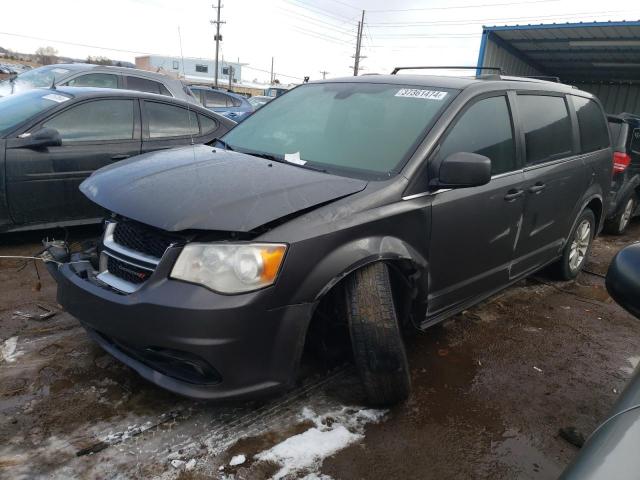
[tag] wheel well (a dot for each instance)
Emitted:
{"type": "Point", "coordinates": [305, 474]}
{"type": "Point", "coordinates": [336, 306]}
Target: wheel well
{"type": "Point", "coordinates": [595, 205]}
{"type": "Point", "coordinates": [328, 334]}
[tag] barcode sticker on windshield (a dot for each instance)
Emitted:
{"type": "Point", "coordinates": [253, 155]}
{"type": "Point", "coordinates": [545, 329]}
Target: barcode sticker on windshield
{"type": "Point", "coordinates": [54, 97]}
{"type": "Point", "coordinates": [423, 94]}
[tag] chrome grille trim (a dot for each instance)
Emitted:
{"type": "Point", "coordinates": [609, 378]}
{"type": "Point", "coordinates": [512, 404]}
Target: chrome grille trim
{"type": "Point", "coordinates": [110, 243]}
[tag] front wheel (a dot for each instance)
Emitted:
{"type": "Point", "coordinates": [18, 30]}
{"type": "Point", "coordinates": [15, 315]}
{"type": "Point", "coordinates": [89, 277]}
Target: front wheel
{"type": "Point", "coordinates": [378, 347]}
{"type": "Point", "coordinates": [577, 248]}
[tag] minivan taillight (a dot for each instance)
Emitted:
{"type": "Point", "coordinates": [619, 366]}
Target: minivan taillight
{"type": "Point", "coordinates": [620, 162]}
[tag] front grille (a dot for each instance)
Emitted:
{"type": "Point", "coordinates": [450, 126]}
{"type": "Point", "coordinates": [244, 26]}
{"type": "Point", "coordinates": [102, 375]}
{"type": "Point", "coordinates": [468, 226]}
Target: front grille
{"type": "Point", "coordinates": [142, 238]}
{"type": "Point", "coordinates": [126, 271]}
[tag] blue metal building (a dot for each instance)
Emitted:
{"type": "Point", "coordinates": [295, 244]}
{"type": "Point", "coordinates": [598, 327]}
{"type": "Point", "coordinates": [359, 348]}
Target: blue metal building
{"type": "Point", "coordinates": [600, 57]}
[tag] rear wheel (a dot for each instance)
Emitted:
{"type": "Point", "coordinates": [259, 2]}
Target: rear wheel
{"type": "Point", "coordinates": [577, 248]}
{"type": "Point", "coordinates": [618, 224]}
{"type": "Point", "coordinates": [378, 347]}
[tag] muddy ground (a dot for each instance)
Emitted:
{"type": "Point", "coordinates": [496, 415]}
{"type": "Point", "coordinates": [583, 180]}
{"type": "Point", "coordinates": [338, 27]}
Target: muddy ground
{"type": "Point", "coordinates": [491, 389]}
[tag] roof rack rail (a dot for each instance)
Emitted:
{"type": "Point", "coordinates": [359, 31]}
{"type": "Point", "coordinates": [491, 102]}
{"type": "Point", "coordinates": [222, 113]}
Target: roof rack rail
{"type": "Point", "coordinates": [547, 78]}
{"type": "Point", "coordinates": [495, 69]}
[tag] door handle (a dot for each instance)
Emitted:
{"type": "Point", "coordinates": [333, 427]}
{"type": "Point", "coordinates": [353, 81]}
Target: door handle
{"type": "Point", "coordinates": [538, 187]}
{"type": "Point", "coordinates": [120, 157]}
{"type": "Point", "coordinates": [513, 194]}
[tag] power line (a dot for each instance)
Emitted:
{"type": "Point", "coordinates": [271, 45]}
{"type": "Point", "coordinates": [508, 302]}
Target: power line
{"type": "Point", "coordinates": [318, 10]}
{"type": "Point", "coordinates": [481, 20]}
{"type": "Point", "coordinates": [346, 5]}
{"type": "Point", "coordinates": [318, 22]}
{"type": "Point", "coordinates": [463, 6]}
{"type": "Point", "coordinates": [318, 35]}
{"type": "Point", "coordinates": [74, 43]}
{"type": "Point", "coordinates": [269, 71]}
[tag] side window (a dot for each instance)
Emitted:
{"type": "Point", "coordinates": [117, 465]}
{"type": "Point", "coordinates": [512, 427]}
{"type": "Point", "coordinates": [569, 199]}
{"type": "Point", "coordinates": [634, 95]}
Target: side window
{"type": "Point", "coordinates": [100, 80]}
{"type": "Point", "coordinates": [170, 120]}
{"type": "Point", "coordinates": [95, 121]}
{"type": "Point", "coordinates": [215, 99]}
{"type": "Point", "coordinates": [196, 95]}
{"type": "Point", "coordinates": [547, 127]}
{"type": "Point", "coordinates": [635, 140]}
{"type": "Point", "coordinates": [485, 128]}
{"type": "Point", "coordinates": [592, 124]}
{"type": "Point", "coordinates": [145, 85]}
{"type": "Point", "coordinates": [207, 125]}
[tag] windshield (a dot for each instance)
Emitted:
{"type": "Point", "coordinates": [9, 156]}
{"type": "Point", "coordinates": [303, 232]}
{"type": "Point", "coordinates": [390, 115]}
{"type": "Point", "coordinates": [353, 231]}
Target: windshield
{"type": "Point", "coordinates": [36, 78]}
{"type": "Point", "coordinates": [365, 127]}
{"type": "Point", "coordinates": [15, 109]}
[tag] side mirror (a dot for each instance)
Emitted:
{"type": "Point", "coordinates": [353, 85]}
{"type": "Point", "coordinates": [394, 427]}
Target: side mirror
{"type": "Point", "coordinates": [623, 279]}
{"type": "Point", "coordinates": [463, 169]}
{"type": "Point", "coordinates": [45, 137]}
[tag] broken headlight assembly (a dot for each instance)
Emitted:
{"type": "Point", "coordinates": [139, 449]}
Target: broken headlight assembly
{"type": "Point", "coordinates": [230, 268]}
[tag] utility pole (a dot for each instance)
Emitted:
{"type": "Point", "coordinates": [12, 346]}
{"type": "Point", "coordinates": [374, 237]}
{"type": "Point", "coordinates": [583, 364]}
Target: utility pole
{"type": "Point", "coordinates": [356, 63]}
{"type": "Point", "coordinates": [271, 78]}
{"type": "Point", "coordinates": [324, 74]}
{"type": "Point", "coordinates": [230, 75]}
{"type": "Point", "coordinates": [217, 38]}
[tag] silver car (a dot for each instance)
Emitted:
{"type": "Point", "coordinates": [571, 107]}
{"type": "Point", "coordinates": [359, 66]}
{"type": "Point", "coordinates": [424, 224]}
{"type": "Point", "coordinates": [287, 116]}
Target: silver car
{"type": "Point", "coordinates": [101, 76]}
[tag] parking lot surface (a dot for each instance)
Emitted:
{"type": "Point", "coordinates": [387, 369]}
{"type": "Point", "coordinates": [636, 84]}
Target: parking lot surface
{"type": "Point", "coordinates": [492, 389]}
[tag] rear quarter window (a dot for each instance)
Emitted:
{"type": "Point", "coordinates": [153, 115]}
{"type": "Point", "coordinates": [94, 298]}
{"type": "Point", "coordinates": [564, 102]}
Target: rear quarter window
{"type": "Point", "coordinates": [592, 124]}
{"type": "Point", "coordinates": [547, 127]}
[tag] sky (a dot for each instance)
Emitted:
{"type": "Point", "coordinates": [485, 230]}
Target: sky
{"type": "Point", "coordinates": [305, 37]}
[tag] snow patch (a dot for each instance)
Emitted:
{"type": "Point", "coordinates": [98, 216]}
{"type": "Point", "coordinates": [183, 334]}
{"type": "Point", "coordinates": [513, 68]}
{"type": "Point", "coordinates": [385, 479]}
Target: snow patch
{"type": "Point", "coordinates": [8, 350]}
{"type": "Point", "coordinates": [333, 431]}
{"type": "Point", "coordinates": [633, 363]}
{"type": "Point", "coordinates": [237, 460]}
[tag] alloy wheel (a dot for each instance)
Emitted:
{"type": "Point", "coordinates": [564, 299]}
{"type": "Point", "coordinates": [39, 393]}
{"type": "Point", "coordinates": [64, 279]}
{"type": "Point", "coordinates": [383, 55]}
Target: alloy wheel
{"type": "Point", "coordinates": [580, 245]}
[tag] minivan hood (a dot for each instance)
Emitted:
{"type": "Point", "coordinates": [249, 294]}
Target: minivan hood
{"type": "Point", "coordinates": [208, 188]}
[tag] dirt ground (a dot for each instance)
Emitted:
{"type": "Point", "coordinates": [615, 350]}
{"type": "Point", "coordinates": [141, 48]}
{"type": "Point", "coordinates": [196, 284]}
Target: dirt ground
{"type": "Point", "coordinates": [492, 387]}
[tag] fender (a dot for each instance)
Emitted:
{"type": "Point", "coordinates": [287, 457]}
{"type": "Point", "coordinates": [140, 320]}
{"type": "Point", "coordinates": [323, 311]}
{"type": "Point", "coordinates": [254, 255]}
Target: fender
{"type": "Point", "coordinates": [615, 203]}
{"type": "Point", "coordinates": [356, 254]}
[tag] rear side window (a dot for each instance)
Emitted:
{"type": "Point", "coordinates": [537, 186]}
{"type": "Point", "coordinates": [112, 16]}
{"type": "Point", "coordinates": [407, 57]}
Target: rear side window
{"type": "Point", "coordinates": [144, 85]}
{"type": "Point", "coordinates": [207, 125]}
{"type": "Point", "coordinates": [99, 120]}
{"type": "Point", "coordinates": [635, 140]}
{"type": "Point", "coordinates": [99, 80]}
{"type": "Point", "coordinates": [170, 120]}
{"type": "Point", "coordinates": [592, 124]}
{"type": "Point", "coordinates": [215, 99]}
{"type": "Point", "coordinates": [547, 127]}
{"type": "Point", "coordinates": [474, 133]}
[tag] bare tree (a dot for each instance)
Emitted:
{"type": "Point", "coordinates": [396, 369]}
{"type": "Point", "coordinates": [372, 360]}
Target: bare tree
{"type": "Point", "coordinates": [47, 55]}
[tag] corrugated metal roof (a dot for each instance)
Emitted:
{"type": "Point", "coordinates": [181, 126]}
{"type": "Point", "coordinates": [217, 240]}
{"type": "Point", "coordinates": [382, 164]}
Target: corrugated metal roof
{"type": "Point", "coordinates": [595, 51]}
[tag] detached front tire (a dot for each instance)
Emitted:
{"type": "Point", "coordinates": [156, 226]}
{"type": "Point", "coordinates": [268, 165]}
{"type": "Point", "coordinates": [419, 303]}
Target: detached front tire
{"type": "Point", "coordinates": [578, 246]}
{"type": "Point", "coordinates": [376, 338]}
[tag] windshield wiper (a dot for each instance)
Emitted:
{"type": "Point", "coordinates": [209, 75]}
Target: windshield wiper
{"type": "Point", "coordinates": [282, 159]}
{"type": "Point", "coordinates": [223, 143]}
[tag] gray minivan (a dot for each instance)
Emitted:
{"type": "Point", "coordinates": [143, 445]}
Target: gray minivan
{"type": "Point", "coordinates": [362, 206]}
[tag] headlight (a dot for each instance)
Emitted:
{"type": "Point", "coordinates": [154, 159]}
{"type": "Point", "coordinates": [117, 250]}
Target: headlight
{"type": "Point", "coordinates": [230, 268]}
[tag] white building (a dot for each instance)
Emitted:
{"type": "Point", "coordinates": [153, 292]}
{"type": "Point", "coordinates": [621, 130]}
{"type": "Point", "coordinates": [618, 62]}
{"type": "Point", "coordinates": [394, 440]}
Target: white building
{"type": "Point", "coordinates": [197, 70]}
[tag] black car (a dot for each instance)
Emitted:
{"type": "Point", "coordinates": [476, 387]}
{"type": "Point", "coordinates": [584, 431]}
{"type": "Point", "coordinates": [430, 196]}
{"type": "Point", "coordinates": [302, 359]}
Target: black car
{"type": "Point", "coordinates": [625, 184]}
{"type": "Point", "coordinates": [51, 140]}
{"type": "Point", "coordinates": [373, 204]}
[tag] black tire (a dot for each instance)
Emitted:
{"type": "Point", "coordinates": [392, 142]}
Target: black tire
{"type": "Point", "coordinates": [376, 339]}
{"type": "Point", "coordinates": [618, 224]}
{"type": "Point", "coordinates": [564, 266]}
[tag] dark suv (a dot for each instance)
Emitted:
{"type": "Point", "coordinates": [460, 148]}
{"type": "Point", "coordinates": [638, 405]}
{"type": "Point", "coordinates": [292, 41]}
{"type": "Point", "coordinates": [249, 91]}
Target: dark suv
{"type": "Point", "coordinates": [625, 185]}
{"type": "Point", "coordinates": [390, 202]}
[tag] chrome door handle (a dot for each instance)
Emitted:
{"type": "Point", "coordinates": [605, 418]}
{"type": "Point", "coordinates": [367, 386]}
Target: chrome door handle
{"type": "Point", "coordinates": [537, 188]}
{"type": "Point", "coordinates": [513, 194]}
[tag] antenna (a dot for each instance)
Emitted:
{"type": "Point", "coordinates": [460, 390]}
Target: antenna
{"type": "Point", "coordinates": [184, 76]}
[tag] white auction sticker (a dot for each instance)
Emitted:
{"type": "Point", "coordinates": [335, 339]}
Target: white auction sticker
{"type": "Point", "coordinates": [54, 97]}
{"type": "Point", "coordinates": [419, 93]}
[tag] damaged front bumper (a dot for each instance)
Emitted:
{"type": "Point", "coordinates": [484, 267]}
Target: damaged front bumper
{"type": "Point", "coordinates": [186, 338]}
